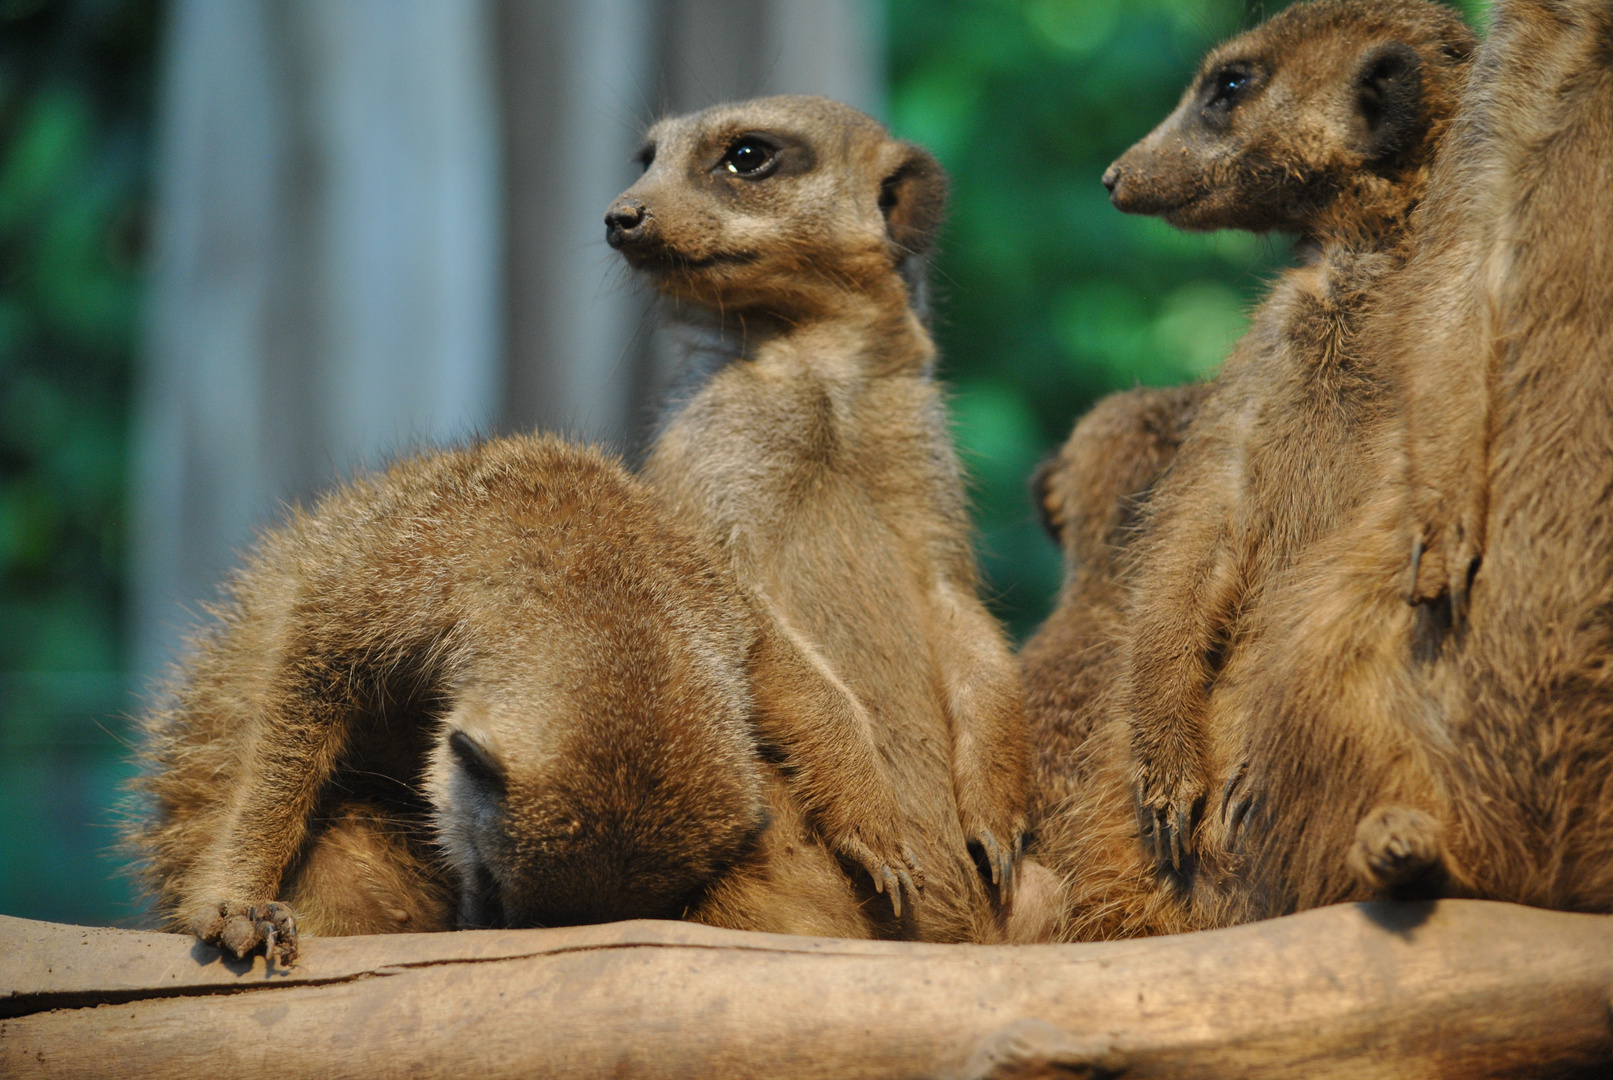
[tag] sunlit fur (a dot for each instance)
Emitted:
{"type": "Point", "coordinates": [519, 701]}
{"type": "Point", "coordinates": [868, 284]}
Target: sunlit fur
{"type": "Point", "coordinates": [525, 594]}
{"type": "Point", "coordinates": [1487, 707]}
{"type": "Point", "coordinates": [817, 454]}
{"type": "Point", "coordinates": [1458, 746]}
{"type": "Point", "coordinates": [1287, 445]}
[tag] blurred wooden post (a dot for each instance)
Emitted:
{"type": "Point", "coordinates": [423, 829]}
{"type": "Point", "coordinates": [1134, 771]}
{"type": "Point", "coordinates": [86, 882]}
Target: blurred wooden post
{"type": "Point", "coordinates": [1462, 989]}
{"type": "Point", "coordinates": [325, 286]}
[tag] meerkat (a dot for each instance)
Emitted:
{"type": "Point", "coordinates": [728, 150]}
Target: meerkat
{"type": "Point", "coordinates": [493, 686]}
{"type": "Point", "coordinates": [1089, 496]}
{"type": "Point", "coordinates": [1322, 121]}
{"type": "Point", "coordinates": [814, 450]}
{"type": "Point", "coordinates": [1462, 744]}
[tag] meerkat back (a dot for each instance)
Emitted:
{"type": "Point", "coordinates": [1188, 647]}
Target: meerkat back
{"type": "Point", "coordinates": [817, 454]}
{"type": "Point", "coordinates": [491, 686]}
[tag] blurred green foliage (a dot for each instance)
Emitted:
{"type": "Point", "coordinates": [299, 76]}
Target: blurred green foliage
{"type": "Point", "coordinates": [1047, 297]}
{"type": "Point", "coordinates": [75, 111]}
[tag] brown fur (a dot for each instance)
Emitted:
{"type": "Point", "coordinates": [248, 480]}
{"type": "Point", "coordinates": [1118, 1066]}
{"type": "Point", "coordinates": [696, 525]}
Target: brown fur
{"type": "Point", "coordinates": [503, 650]}
{"type": "Point", "coordinates": [817, 454]}
{"type": "Point", "coordinates": [1486, 740]}
{"type": "Point", "coordinates": [1090, 495]}
{"type": "Point", "coordinates": [1332, 132]}
{"type": "Point", "coordinates": [1284, 446]}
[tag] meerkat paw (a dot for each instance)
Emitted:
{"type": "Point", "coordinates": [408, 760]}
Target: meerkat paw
{"type": "Point", "coordinates": [1239, 798]}
{"type": "Point", "coordinates": [243, 928]}
{"type": "Point", "coordinates": [894, 868]}
{"type": "Point", "coordinates": [998, 847]}
{"type": "Point", "coordinates": [1168, 811]}
{"type": "Point", "coordinates": [1398, 852]}
{"type": "Point", "coordinates": [1443, 566]}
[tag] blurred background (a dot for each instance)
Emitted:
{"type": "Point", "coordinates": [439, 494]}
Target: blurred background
{"type": "Point", "coordinates": [247, 245]}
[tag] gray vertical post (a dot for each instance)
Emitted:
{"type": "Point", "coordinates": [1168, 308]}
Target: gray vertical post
{"type": "Point", "coordinates": [379, 223]}
{"type": "Point", "coordinates": [326, 284]}
{"type": "Point", "coordinates": [573, 81]}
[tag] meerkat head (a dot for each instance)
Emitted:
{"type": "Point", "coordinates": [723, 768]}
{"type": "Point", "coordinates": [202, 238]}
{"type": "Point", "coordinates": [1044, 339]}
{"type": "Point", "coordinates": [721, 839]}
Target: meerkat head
{"type": "Point", "coordinates": [1321, 101]}
{"type": "Point", "coordinates": [611, 775]}
{"type": "Point", "coordinates": [1088, 492]}
{"type": "Point", "coordinates": [777, 204]}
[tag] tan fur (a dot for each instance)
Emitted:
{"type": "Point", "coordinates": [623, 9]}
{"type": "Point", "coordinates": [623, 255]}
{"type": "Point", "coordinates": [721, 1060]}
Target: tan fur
{"type": "Point", "coordinates": [1333, 133]}
{"type": "Point", "coordinates": [505, 651]}
{"type": "Point", "coordinates": [1090, 495]}
{"type": "Point", "coordinates": [1487, 738]}
{"type": "Point", "coordinates": [817, 454]}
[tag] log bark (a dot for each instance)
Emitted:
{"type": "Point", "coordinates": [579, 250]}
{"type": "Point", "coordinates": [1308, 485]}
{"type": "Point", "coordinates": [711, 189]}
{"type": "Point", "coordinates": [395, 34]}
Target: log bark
{"type": "Point", "coordinates": [1454, 989]}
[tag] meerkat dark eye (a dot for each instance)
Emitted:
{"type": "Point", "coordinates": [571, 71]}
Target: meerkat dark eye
{"type": "Point", "coordinates": [646, 156]}
{"type": "Point", "coordinates": [750, 157]}
{"type": "Point", "coordinates": [1228, 86]}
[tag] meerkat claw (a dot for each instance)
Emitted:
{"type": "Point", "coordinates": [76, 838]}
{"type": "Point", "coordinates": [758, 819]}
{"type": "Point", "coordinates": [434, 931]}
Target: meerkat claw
{"type": "Point", "coordinates": [278, 926]}
{"type": "Point", "coordinates": [1416, 567]}
{"type": "Point", "coordinates": [989, 843]}
{"type": "Point", "coordinates": [893, 889]}
{"type": "Point", "coordinates": [913, 865]}
{"type": "Point", "coordinates": [1232, 785]}
{"type": "Point", "coordinates": [907, 886]}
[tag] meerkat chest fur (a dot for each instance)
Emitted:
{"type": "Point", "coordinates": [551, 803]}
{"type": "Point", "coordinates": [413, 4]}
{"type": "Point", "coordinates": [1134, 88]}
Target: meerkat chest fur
{"type": "Point", "coordinates": [814, 432]}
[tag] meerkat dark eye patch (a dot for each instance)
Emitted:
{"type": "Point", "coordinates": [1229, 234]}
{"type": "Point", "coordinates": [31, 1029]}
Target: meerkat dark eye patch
{"type": "Point", "coordinates": [750, 156]}
{"type": "Point", "coordinates": [1227, 86]}
{"type": "Point", "coordinates": [646, 156]}
{"type": "Point", "coordinates": [474, 758]}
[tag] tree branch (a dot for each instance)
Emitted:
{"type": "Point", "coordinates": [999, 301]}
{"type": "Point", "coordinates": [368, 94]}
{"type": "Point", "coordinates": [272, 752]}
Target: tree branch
{"type": "Point", "coordinates": [1459, 988]}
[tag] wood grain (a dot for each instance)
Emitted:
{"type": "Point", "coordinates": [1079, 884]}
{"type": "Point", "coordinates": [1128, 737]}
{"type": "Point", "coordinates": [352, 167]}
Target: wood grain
{"type": "Point", "coordinates": [1455, 989]}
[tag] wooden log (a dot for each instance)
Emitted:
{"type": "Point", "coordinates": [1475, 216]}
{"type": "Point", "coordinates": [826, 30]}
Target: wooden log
{"type": "Point", "coordinates": [1455, 989]}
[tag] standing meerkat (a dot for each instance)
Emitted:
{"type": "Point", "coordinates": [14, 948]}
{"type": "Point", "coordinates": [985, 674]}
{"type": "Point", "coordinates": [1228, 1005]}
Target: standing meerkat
{"type": "Point", "coordinates": [817, 455]}
{"type": "Point", "coordinates": [1323, 121]}
{"type": "Point", "coordinates": [490, 686]}
{"type": "Point", "coordinates": [1463, 745]}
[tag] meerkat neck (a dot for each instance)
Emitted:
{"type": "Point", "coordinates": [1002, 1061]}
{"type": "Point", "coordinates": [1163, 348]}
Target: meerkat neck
{"type": "Point", "coordinates": [1372, 213]}
{"type": "Point", "coordinates": [866, 332]}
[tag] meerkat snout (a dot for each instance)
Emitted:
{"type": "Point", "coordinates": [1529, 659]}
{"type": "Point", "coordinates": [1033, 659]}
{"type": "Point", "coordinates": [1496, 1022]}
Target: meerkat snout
{"type": "Point", "coordinates": [626, 222]}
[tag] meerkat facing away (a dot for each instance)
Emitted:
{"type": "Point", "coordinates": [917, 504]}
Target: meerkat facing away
{"type": "Point", "coordinates": [817, 455]}
{"type": "Point", "coordinates": [506, 653]}
{"type": "Point", "coordinates": [1324, 120]}
{"type": "Point", "coordinates": [1089, 495]}
{"type": "Point", "coordinates": [1470, 753]}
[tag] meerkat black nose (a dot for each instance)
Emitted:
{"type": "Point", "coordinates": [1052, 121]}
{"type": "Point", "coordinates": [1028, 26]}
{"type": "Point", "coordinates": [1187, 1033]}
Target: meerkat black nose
{"type": "Point", "coordinates": [1111, 178]}
{"type": "Point", "coordinates": [626, 222]}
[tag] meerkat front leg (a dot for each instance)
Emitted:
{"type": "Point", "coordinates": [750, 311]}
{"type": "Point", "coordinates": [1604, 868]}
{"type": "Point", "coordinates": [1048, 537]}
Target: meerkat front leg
{"type": "Point", "coordinates": [1183, 606]}
{"type": "Point", "coordinates": [290, 751]}
{"type": "Point", "coordinates": [990, 740]}
{"type": "Point", "coordinates": [806, 711]}
{"type": "Point", "coordinates": [1447, 463]}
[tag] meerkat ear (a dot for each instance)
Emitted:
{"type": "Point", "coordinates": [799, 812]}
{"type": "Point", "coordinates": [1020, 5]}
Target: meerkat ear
{"type": "Point", "coordinates": [1042, 497]}
{"type": "Point", "coordinates": [913, 197]}
{"type": "Point", "coordinates": [1389, 97]}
